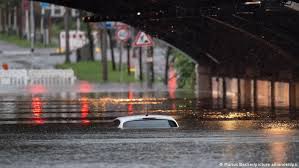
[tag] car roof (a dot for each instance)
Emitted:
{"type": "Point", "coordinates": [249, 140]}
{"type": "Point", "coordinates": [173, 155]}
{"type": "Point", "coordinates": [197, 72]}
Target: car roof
{"type": "Point", "coordinates": [140, 117]}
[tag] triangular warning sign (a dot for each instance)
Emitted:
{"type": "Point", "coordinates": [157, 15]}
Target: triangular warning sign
{"type": "Point", "coordinates": [143, 40]}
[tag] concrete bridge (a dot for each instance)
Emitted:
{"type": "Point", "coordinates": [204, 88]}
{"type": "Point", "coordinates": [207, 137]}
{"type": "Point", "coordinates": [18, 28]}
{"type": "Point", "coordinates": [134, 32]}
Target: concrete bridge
{"type": "Point", "coordinates": [255, 49]}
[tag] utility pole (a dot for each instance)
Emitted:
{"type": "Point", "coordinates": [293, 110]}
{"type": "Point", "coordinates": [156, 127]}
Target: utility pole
{"type": "Point", "coordinates": [32, 26]}
{"type": "Point", "coordinates": [67, 35]}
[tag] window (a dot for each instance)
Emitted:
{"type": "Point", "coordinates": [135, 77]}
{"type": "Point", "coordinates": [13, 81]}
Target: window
{"type": "Point", "coordinates": [150, 123]}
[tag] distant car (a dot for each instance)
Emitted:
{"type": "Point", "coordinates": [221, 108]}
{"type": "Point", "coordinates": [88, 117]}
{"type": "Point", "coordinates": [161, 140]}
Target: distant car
{"type": "Point", "coordinates": [146, 122]}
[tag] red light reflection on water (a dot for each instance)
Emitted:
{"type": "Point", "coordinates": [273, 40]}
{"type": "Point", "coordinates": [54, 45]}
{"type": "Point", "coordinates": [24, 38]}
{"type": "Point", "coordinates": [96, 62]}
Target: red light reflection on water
{"type": "Point", "coordinates": [84, 110]}
{"type": "Point", "coordinates": [130, 104]}
{"type": "Point", "coordinates": [37, 89]}
{"type": "Point", "coordinates": [85, 87]}
{"type": "Point", "coordinates": [37, 110]}
{"type": "Point", "coordinates": [172, 85]}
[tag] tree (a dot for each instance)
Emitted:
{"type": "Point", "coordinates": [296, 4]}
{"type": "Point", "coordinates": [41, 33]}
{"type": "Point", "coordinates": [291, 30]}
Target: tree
{"type": "Point", "coordinates": [91, 41]}
{"type": "Point", "coordinates": [103, 36]}
{"type": "Point", "coordinates": [111, 44]}
{"type": "Point", "coordinates": [6, 8]}
{"type": "Point", "coordinates": [67, 35]}
{"type": "Point", "coordinates": [185, 69]}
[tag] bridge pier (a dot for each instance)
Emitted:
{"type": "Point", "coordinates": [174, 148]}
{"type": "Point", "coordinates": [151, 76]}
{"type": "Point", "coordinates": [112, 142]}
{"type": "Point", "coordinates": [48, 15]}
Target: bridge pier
{"type": "Point", "coordinates": [293, 96]}
{"type": "Point", "coordinates": [239, 94]}
{"type": "Point", "coordinates": [204, 85]}
{"type": "Point", "coordinates": [255, 95]}
{"type": "Point", "coordinates": [224, 93]}
{"type": "Point", "coordinates": [272, 94]}
{"type": "Point", "coordinates": [247, 94]}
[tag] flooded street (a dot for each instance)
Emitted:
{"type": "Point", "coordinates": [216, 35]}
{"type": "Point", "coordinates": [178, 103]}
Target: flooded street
{"type": "Point", "coordinates": [63, 129]}
{"type": "Point", "coordinates": [152, 83]}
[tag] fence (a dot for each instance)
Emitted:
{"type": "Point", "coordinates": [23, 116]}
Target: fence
{"type": "Point", "coordinates": [21, 78]}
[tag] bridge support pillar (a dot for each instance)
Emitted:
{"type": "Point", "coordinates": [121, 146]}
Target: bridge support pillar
{"type": "Point", "coordinates": [272, 96]}
{"type": "Point", "coordinates": [247, 94]}
{"type": "Point", "coordinates": [204, 84]}
{"type": "Point", "coordinates": [255, 94]}
{"type": "Point", "coordinates": [239, 107]}
{"type": "Point", "coordinates": [293, 96]}
{"type": "Point", "coordinates": [224, 93]}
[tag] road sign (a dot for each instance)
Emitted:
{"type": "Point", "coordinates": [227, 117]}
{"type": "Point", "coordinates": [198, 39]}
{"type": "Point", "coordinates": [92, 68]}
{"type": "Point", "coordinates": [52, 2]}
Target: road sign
{"type": "Point", "coordinates": [105, 25]}
{"type": "Point", "coordinates": [143, 40]}
{"type": "Point", "coordinates": [123, 34]}
{"type": "Point", "coordinates": [44, 5]}
{"type": "Point", "coordinates": [109, 25]}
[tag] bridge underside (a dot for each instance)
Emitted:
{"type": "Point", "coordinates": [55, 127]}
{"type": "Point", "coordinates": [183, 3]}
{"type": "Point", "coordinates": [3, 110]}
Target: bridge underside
{"type": "Point", "coordinates": [227, 44]}
{"type": "Point", "coordinates": [266, 43]}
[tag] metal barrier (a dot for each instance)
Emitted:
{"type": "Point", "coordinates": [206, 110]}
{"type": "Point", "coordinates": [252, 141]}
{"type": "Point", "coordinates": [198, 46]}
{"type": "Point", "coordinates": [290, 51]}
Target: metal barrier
{"type": "Point", "coordinates": [31, 77]}
{"type": "Point", "coordinates": [13, 77]}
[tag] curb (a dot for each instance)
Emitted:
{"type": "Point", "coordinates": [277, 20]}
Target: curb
{"type": "Point", "coordinates": [56, 54]}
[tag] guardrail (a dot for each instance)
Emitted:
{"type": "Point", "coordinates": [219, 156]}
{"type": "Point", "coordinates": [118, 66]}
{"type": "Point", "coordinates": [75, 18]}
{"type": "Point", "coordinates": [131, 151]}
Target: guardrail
{"type": "Point", "coordinates": [21, 78]}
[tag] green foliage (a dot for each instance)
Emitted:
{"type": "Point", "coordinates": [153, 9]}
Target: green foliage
{"type": "Point", "coordinates": [14, 39]}
{"type": "Point", "coordinates": [185, 69]}
{"type": "Point", "coordinates": [92, 71]}
{"type": "Point", "coordinates": [9, 3]}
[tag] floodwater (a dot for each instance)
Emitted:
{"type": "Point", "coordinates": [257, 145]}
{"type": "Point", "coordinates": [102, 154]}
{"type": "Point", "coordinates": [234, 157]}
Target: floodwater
{"type": "Point", "coordinates": [70, 129]}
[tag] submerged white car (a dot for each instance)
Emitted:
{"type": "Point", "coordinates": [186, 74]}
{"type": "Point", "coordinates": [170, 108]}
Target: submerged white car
{"type": "Point", "coordinates": [146, 122]}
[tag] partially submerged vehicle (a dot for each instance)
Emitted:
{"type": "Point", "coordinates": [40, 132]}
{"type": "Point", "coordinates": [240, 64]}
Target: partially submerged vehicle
{"type": "Point", "coordinates": [146, 122]}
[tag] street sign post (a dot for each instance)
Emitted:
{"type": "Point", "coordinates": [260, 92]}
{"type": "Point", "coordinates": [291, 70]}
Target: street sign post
{"type": "Point", "coordinates": [123, 34]}
{"type": "Point", "coordinates": [143, 40]}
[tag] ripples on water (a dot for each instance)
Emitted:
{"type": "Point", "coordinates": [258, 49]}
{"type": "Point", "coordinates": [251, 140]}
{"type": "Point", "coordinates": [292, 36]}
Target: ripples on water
{"type": "Point", "coordinates": [100, 108]}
